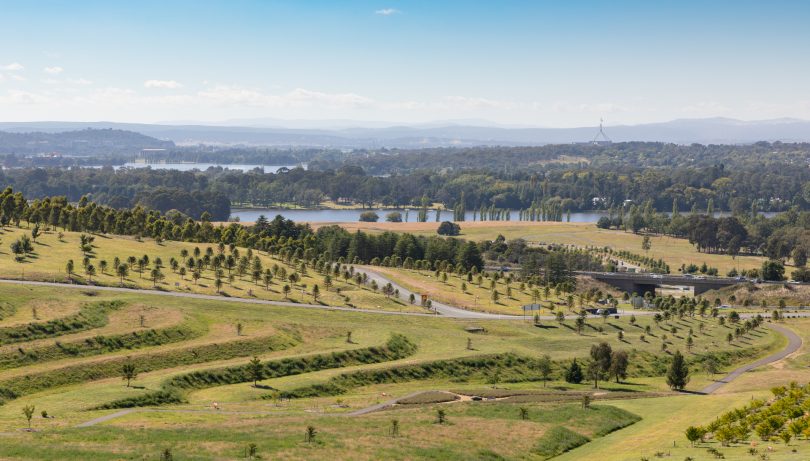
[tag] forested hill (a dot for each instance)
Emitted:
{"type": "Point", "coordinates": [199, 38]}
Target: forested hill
{"type": "Point", "coordinates": [81, 142]}
{"type": "Point", "coordinates": [620, 157]}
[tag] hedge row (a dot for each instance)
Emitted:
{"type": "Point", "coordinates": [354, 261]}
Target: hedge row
{"type": "Point", "coordinates": [90, 315]}
{"type": "Point", "coordinates": [397, 347]}
{"type": "Point", "coordinates": [150, 399]}
{"type": "Point", "coordinates": [501, 367]}
{"type": "Point", "coordinates": [98, 345]}
{"type": "Point", "coordinates": [80, 373]}
{"type": "Point", "coordinates": [7, 310]}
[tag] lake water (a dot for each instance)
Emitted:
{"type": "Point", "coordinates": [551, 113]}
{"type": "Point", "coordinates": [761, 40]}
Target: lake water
{"type": "Point", "coordinates": [251, 215]}
{"type": "Point", "coordinates": [205, 166]}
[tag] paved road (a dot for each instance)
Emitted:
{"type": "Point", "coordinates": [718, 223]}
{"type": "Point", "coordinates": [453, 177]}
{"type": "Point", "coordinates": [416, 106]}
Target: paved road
{"type": "Point", "coordinates": [443, 310]}
{"type": "Point", "coordinates": [794, 343]}
{"type": "Point", "coordinates": [383, 405]}
{"type": "Point", "coordinates": [440, 308]}
{"type": "Point", "coordinates": [179, 294]}
{"type": "Point", "coordinates": [102, 419]}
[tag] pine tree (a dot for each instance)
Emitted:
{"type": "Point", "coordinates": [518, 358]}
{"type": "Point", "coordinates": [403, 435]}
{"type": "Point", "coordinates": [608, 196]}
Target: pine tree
{"type": "Point", "coordinates": [573, 374]}
{"type": "Point", "coordinates": [678, 373]}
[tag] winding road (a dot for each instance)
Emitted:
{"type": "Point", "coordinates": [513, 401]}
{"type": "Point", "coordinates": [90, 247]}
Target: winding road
{"type": "Point", "coordinates": [794, 343]}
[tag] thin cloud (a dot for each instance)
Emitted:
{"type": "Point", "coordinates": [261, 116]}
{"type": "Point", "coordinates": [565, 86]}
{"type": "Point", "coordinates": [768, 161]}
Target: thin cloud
{"type": "Point", "coordinates": [80, 81]}
{"type": "Point", "coordinates": [14, 67]}
{"type": "Point", "coordinates": [163, 84]}
{"type": "Point", "coordinates": [55, 70]}
{"type": "Point", "coordinates": [387, 12]}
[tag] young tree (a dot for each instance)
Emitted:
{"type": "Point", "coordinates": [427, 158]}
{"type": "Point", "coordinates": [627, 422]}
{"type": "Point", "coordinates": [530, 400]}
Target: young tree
{"type": "Point", "coordinates": [524, 413]}
{"type": "Point", "coordinates": [619, 362]}
{"type": "Point", "coordinates": [69, 267]}
{"type": "Point", "coordinates": [123, 271]}
{"type": "Point", "coordinates": [441, 416]}
{"type": "Point", "coordinates": [678, 373]}
{"type": "Point", "coordinates": [256, 370]}
{"type": "Point", "coordinates": [579, 324]}
{"type": "Point", "coordinates": [316, 292]}
{"type": "Point", "coordinates": [544, 368]}
{"type": "Point", "coordinates": [156, 276]}
{"type": "Point", "coordinates": [128, 372]}
{"type": "Point", "coordinates": [28, 412]}
{"type": "Point", "coordinates": [695, 434]}
{"type": "Point", "coordinates": [90, 271]}
{"type": "Point", "coordinates": [601, 354]}
{"type": "Point", "coordinates": [310, 435]}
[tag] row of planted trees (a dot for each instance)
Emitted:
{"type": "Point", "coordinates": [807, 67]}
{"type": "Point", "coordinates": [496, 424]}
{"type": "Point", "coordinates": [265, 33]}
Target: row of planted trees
{"type": "Point", "coordinates": [783, 417]}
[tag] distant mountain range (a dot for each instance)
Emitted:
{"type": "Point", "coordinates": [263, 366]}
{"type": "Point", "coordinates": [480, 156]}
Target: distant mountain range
{"type": "Point", "coordinates": [348, 134]}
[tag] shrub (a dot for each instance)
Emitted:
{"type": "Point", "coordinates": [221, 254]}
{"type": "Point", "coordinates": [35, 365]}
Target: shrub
{"type": "Point", "coordinates": [448, 228]}
{"type": "Point", "coordinates": [369, 216]}
{"type": "Point", "coordinates": [150, 399]}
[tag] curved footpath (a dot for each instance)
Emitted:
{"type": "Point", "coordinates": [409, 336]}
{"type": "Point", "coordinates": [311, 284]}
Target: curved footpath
{"type": "Point", "coordinates": [441, 309]}
{"type": "Point", "coordinates": [794, 343]}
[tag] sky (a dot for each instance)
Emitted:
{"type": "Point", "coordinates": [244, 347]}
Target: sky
{"type": "Point", "coordinates": [517, 63]}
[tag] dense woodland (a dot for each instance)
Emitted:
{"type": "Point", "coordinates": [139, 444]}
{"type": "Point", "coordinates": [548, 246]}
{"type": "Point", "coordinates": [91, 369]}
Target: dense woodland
{"type": "Point", "coordinates": [765, 187]}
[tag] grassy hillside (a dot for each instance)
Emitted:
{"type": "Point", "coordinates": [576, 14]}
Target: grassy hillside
{"type": "Point", "coordinates": [51, 254]}
{"type": "Point", "coordinates": [215, 354]}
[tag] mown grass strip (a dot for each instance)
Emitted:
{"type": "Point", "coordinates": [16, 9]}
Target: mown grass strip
{"type": "Point", "coordinates": [397, 347]}
{"type": "Point", "coordinates": [80, 373]}
{"type": "Point", "coordinates": [90, 315]}
{"type": "Point", "coordinates": [99, 345]}
{"type": "Point", "coordinates": [557, 441]}
{"type": "Point", "coordinates": [494, 368]}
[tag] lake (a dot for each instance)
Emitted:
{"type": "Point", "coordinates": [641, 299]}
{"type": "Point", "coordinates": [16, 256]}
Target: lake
{"type": "Point", "coordinates": [205, 166]}
{"type": "Point", "coordinates": [252, 214]}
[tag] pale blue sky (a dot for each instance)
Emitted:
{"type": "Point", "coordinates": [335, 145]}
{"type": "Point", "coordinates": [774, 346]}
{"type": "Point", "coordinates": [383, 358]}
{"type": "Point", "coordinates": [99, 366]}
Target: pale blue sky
{"type": "Point", "coordinates": [562, 63]}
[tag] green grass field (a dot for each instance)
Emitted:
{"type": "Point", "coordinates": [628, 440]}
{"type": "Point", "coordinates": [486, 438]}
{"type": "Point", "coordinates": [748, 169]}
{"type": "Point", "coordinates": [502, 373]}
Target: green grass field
{"type": "Point", "coordinates": [63, 351]}
{"type": "Point", "coordinates": [475, 430]}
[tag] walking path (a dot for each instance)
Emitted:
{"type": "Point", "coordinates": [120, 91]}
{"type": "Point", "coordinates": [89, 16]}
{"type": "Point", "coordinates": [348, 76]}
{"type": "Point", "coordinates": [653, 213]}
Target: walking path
{"type": "Point", "coordinates": [794, 343]}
